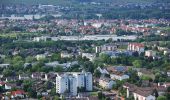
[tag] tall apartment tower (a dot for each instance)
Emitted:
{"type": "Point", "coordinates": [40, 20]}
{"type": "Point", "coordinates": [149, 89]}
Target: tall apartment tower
{"type": "Point", "coordinates": [72, 85]}
{"type": "Point", "coordinates": [62, 84]}
{"type": "Point", "coordinates": [88, 81]}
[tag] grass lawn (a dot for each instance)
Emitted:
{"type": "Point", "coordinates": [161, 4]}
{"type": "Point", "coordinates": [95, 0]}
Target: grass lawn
{"type": "Point", "coordinates": [93, 93]}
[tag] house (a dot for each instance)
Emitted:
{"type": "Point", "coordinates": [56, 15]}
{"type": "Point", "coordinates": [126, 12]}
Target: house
{"type": "Point", "coordinates": [144, 93]}
{"type": "Point", "coordinates": [40, 56]}
{"type": "Point", "coordinates": [9, 86]}
{"type": "Point", "coordinates": [145, 72]}
{"type": "Point", "coordinates": [119, 76]}
{"type": "Point", "coordinates": [150, 53]}
{"type": "Point", "coordinates": [18, 94]}
{"type": "Point", "coordinates": [117, 69]}
{"type": "Point", "coordinates": [66, 55]}
{"type": "Point", "coordinates": [102, 70]}
{"type": "Point", "coordinates": [106, 83]}
{"type": "Point", "coordinates": [37, 75]}
{"type": "Point", "coordinates": [50, 76]}
{"type": "Point", "coordinates": [24, 77]}
{"type": "Point", "coordinates": [136, 47]}
{"type": "Point", "coordinates": [2, 83]}
{"type": "Point", "coordinates": [12, 78]}
{"type": "Point", "coordinates": [90, 56]}
{"type": "Point", "coordinates": [167, 51]}
{"type": "Point", "coordinates": [4, 65]}
{"type": "Point", "coordinates": [64, 65]}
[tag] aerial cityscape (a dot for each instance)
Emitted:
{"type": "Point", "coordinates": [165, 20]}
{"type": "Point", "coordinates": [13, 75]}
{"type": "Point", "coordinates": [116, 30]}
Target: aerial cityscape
{"type": "Point", "coordinates": [84, 49]}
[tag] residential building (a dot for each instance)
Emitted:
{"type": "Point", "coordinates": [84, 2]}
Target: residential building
{"type": "Point", "coordinates": [24, 77]}
{"type": "Point", "coordinates": [144, 93]}
{"type": "Point", "coordinates": [69, 82]}
{"type": "Point", "coordinates": [107, 47]}
{"type": "Point", "coordinates": [66, 55]}
{"type": "Point", "coordinates": [102, 70]}
{"type": "Point", "coordinates": [90, 56]}
{"type": "Point", "coordinates": [4, 65]}
{"type": "Point", "coordinates": [40, 56]}
{"type": "Point", "coordinates": [145, 72]}
{"type": "Point", "coordinates": [88, 81]}
{"type": "Point", "coordinates": [18, 94]}
{"type": "Point", "coordinates": [117, 76]}
{"type": "Point", "coordinates": [80, 79]}
{"type": "Point", "coordinates": [139, 47]}
{"type": "Point", "coordinates": [150, 53]}
{"type": "Point", "coordinates": [72, 85]}
{"type": "Point", "coordinates": [62, 84]}
{"type": "Point", "coordinates": [106, 83]}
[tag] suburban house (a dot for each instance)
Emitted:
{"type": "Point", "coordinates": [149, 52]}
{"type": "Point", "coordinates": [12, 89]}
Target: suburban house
{"type": "Point", "coordinates": [66, 55]}
{"type": "Point", "coordinates": [9, 86]}
{"type": "Point", "coordinates": [37, 75]}
{"type": "Point", "coordinates": [145, 72]}
{"type": "Point", "coordinates": [90, 56]}
{"type": "Point", "coordinates": [102, 70]}
{"type": "Point", "coordinates": [119, 76]}
{"type": "Point", "coordinates": [117, 72]}
{"type": "Point", "coordinates": [24, 77]}
{"type": "Point", "coordinates": [4, 65]}
{"type": "Point", "coordinates": [144, 93]}
{"type": "Point", "coordinates": [106, 83]}
{"type": "Point", "coordinates": [150, 53]}
{"type": "Point", "coordinates": [40, 56]}
{"type": "Point", "coordinates": [18, 94]}
{"type": "Point", "coordinates": [2, 83]}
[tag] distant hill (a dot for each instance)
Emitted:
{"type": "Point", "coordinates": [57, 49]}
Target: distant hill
{"type": "Point", "coordinates": [68, 2]}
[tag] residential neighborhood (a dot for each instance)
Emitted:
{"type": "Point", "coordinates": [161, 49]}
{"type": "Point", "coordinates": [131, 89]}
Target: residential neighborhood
{"type": "Point", "coordinates": [84, 50]}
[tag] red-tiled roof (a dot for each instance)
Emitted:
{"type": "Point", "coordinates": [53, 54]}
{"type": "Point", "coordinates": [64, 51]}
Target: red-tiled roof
{"type": "Point", "coordinates": [137, 44]}
{"type": "Point", "coordinates": [2, 83]}
{"type": "Point", "coordinates": [17, 92]}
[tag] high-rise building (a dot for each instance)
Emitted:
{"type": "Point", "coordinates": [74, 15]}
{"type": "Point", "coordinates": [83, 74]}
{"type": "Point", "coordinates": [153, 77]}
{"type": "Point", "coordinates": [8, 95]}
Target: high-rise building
{"type": "Point", "coordinates": [62, 83]}
{"type": "Point", "coordinates": [80, 79]}
{"type": "Point", "coordinates": [72, 85]}
{"type": "Point", "coordinates": [88, 81]}
{"type": "Point", "coordinates": [69, 82]}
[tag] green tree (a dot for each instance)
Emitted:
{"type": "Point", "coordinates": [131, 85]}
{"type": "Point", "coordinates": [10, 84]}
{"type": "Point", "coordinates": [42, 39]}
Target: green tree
{"type": "Point", "coordinates": [161, 98]}
{"type": "Point", "coordinates": [137, 63]}
{"type": "Point", "coordinates": [29, 59]}
{"type": "Point", "coordinates": [97, 73]}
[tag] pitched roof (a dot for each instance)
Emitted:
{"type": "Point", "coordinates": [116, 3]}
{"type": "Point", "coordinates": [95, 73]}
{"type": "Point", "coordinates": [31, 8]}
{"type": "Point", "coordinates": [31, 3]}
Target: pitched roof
{"type": "Point", "coordinates": [17, 92]}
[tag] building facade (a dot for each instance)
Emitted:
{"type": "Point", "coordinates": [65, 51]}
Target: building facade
{"type": "Point", "coordinates": [70, 82]}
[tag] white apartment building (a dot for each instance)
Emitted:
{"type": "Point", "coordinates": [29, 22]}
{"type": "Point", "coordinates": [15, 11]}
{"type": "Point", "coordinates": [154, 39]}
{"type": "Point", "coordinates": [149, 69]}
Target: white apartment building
{"type": "Point", "coordinates": [62, 84]}
{"type": "Point", "coordinates": [80, 79]}
{"type": "Point", "coordinates": [68, 82]}
{"type": "Point", "coordinates": [72, 85]}
{"type": "Point", "coordinates": [88, 81]}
